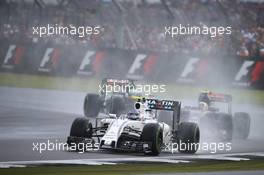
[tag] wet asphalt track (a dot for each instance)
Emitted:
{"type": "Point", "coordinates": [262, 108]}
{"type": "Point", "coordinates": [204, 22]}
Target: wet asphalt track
{"type": "Point", "coordinates": [218, 173]}
{"type": "Point", "coordinates": [32, 115]}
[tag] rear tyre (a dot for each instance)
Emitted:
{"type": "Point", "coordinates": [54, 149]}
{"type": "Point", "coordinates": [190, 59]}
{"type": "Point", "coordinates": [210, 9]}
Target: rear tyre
{"type": "Point", "coordinates": [115, 105]}
{"type": "Point", "coordinates": [152, 132]}
{"type": "Point", "coordinates": [188, 137]}
{"type": "Point", "coordinates": [218, 126]}
{"type": "Point", "coordinates": [92, 105]}
{"type": "Point", "coordinates": [241, 124]}
{"type": "Point", "coordinates": [81, 127]}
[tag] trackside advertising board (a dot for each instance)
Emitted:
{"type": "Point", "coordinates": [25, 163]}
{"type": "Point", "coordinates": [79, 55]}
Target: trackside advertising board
{"type": "Point", "coordinates": [160, 67]}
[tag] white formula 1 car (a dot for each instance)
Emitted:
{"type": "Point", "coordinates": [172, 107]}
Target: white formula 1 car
{"type": "Point", "coordinates": [138, 131]}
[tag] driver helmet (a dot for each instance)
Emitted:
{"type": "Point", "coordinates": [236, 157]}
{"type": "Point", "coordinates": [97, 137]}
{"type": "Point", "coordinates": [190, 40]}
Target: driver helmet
{"type": "Point", "coordinates": [150, 113]}
{"type": "Point", "coordinates": [203, 106]}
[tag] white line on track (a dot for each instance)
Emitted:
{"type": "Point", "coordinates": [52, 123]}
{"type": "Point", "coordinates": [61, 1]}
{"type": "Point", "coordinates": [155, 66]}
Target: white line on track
{"type": "Point", "coordinates": [114, 161]}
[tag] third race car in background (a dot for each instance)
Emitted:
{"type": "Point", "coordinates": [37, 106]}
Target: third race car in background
{"type": "Point", "coordinates": [216, 119]}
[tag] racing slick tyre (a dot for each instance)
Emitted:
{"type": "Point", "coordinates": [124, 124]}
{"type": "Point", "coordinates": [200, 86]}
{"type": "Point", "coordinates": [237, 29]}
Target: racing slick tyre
{"type": "Point", "coordinates": [188, 137]}
{"type": "Point", "coordinates": [81, 127]}
{"type": "Point", "coordinates": [92, 105]}
{"type": "Point", "coordinates": [152, 132]}
{"type": "Point", "coordinates": [115, 105]}
{"type": "Point", "coordinates": [218, 126]}
{"type": "Point", "coordinates": [241, 122]}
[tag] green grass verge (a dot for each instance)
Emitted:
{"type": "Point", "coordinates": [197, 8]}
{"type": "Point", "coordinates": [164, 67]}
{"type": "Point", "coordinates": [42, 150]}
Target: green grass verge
{"type": "Point", "coordinates": [48, 82]}
{"type": "Point", "coordinates": [124, 169]}
{"type": "Point", "coordinates": [91, 85]}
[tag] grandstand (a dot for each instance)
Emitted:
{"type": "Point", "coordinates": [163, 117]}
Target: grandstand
{"type": "Point", "coordinates": [139, 24]}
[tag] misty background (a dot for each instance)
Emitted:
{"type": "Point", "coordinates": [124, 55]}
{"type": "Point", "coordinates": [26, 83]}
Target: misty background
{"type": "Point", "coordinates": [139, 24]}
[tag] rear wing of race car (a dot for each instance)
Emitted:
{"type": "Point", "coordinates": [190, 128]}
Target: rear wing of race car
{"type": "Point", "coordinates": [123, 84]}
{"type": "Point", "coordinates": [167, 105]}
{"type": "Point", "coordinates": [218, 97]}
{"type": "Point", "coordinates": [117, 81]}
{"type": "Point", "coordinates": [208, 97]}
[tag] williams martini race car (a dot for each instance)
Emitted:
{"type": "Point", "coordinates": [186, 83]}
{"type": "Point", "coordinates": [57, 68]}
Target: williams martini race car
{"type": "Point", "coordinates": [138, 131]}
{"type": "Point", "coordinates": [215, 117]}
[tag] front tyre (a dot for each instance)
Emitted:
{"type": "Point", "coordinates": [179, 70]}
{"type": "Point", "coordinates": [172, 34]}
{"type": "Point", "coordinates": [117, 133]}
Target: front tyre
{"type": "Point", "coordinates": [152, 132]}
{"type": "Point", "coordinates": [81, 127]}
{"type": "Point", "coordinates": [188, 137]}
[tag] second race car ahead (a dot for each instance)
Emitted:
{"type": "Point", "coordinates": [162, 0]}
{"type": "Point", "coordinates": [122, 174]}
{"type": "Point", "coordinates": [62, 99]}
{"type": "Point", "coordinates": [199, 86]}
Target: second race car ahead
{"type": "Point", "coordinates": [115, 97]}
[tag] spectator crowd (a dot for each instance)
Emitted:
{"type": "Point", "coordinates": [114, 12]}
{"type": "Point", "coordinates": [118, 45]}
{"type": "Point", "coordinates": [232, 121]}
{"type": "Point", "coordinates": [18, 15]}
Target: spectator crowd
{"type": "Point", "coordinates": [129, 24]}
